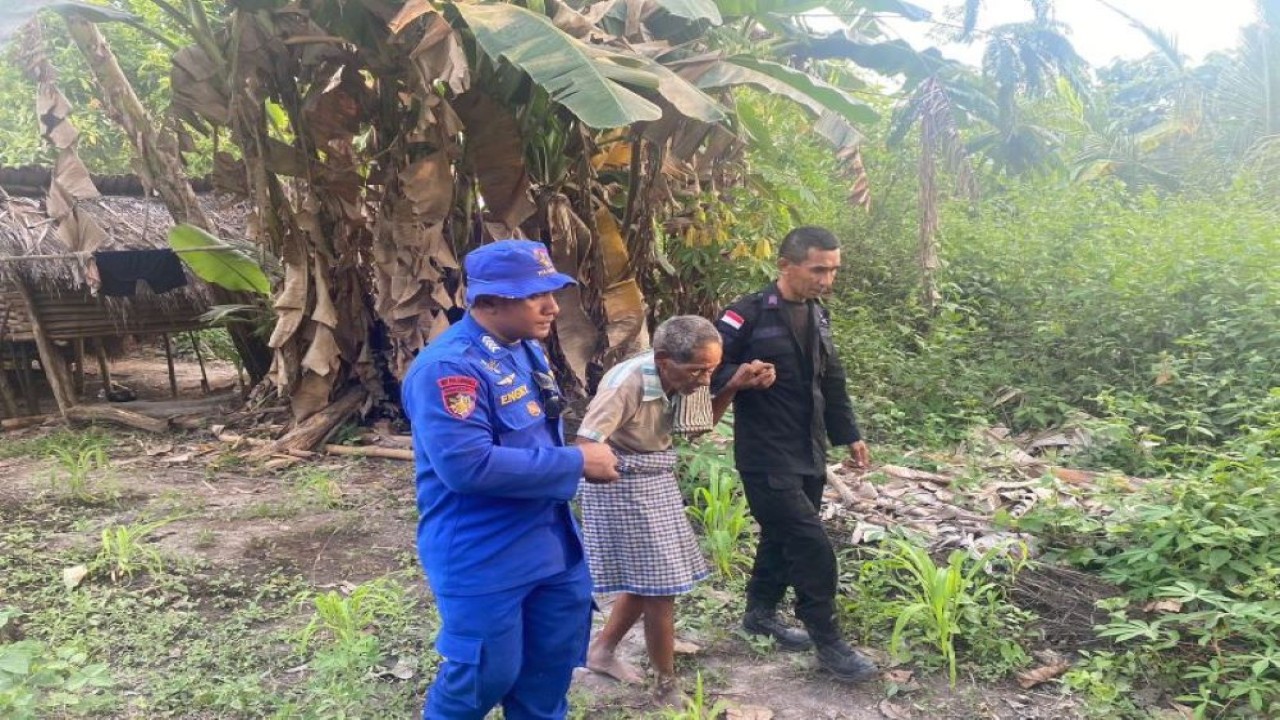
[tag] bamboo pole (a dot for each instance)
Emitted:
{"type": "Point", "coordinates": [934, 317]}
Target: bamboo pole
{"type": "Point", "coordinates": [79, 376]}
{"type": "Point", "coordinates": [6, 393]}
{"type": "Point", "coordinates": [27, 383]}
{"type": "Point", "coordinates": [369, 451]}
{"type": "Point", "coordinates": [204, 377]}
{"type": "Point", "coordinates": [17, 423]}
{"type": "Point", "coordinates": [54, 369]}
{"type": "Point", "coordinates": [104, 369]}
{"type": "Point", "coordinates": [168, 359]}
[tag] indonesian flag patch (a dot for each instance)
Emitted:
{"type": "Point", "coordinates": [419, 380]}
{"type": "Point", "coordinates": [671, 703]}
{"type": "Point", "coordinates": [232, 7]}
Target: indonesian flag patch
{"type": "Point", "coordinates": [459, 395]}
{"type": "Point", "coordinates": [732, 319]}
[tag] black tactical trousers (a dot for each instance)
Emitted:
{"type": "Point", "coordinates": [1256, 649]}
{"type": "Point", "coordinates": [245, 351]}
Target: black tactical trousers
{"type": "Point", "coordinates": [794, 550]}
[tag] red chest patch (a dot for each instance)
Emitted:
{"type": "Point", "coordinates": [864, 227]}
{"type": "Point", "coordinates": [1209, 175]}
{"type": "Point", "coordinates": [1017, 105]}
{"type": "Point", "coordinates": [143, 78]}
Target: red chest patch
{"type": "Point", "coordinates": [458, 393]}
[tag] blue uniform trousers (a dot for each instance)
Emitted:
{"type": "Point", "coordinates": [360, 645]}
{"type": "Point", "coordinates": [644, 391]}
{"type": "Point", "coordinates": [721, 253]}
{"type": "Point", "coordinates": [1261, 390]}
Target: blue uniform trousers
{"type": "Point", "coordinates": [517, 647]}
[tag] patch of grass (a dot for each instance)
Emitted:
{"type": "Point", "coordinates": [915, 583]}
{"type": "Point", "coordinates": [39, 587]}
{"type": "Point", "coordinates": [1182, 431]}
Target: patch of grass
{"type": "Point", "coordinates": [226, 461]}
{"type": "Point", "coordinates": [46, 445]}
{"type": "Point", "coordinates": [317, 487]}
{"type": "Point", "coordinates": [268, 511]}
{"type": "Point", "coordinates": [205, 539]}
{"type": "Point", "coordinates": [36, 680]}
{"type": "Point", "coordinates": [712, 611]}
{"type": "Point", "coordinates": [124, 549]}
{"type": "Point", "coordinates": [77, 458]}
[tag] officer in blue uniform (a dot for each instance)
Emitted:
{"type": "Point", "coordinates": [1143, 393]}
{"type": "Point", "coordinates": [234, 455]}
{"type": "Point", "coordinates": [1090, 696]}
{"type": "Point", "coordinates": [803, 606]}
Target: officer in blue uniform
{"type": "Point", "coordinates": [500, 548]}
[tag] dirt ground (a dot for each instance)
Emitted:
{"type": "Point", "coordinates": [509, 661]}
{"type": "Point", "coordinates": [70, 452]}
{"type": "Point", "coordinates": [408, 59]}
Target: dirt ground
{"type": "Point", "coordinates": [236, 518]}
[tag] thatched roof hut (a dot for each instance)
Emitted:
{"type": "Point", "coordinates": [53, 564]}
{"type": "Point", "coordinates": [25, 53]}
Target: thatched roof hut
{"type": "Point", "coordinates": [50, 279]}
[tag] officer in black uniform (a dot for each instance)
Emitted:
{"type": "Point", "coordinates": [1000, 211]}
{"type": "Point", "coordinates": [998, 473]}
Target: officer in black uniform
{"type": "Point", "coordinates": [781, 435]}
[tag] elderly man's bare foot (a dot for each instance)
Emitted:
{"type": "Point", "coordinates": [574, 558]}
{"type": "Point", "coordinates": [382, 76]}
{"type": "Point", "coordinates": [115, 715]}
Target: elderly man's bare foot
{"type": "Point", "coordinates": [605, 662]}
{"type": "Point", "coordinates": [667, 694]}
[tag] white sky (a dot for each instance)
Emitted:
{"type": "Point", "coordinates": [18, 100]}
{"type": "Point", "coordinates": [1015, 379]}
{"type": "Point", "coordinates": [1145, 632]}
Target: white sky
{"type": "Point", "coordinates": [1100, 35]}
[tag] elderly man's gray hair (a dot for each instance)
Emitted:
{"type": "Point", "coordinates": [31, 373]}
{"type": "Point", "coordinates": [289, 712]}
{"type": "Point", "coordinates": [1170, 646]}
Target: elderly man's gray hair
{"type": "Point", "coordinates": [679, 337]}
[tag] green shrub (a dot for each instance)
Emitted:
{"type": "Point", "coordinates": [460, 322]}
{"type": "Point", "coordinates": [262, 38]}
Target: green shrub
{"type": "Point", "coordinates": [1198, 555]}
{"type": "Point", "coordinates": [1156, 312]}
{"type": "Point", "coordinates": [35, 680]}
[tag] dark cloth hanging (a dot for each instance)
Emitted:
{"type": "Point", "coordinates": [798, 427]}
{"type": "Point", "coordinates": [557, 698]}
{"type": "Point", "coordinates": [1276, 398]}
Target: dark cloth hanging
{"type": "Point", "coordinates": [120, 271]}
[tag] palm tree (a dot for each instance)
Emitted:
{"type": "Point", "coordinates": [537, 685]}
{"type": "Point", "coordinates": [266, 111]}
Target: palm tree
{"type": "Point", "coordinates": [1245, 100]}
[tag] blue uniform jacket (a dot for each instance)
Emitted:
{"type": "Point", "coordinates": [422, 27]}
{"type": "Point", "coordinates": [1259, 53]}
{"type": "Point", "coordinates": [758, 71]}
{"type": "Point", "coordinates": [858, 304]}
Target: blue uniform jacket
{"type": "Point", "coordinates": [494, 478]}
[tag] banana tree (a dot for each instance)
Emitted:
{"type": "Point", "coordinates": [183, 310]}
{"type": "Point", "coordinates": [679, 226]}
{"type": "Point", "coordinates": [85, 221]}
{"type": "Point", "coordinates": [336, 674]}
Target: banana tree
{"type": "Point", "coordinates": [406, 134]}
{"type": "Point", "coordinates": [380, 140]}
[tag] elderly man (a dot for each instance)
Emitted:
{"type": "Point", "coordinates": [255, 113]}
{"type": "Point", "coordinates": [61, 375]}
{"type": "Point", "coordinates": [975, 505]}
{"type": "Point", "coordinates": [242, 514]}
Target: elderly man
{"type": "Point", "coordinates": [639, 543]}
{"type": "Point", "coordinates": [496, 538]}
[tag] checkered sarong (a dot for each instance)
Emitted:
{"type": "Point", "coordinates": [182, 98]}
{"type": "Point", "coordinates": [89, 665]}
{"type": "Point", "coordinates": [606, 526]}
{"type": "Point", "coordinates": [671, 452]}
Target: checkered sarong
{"type": "Point", "coordinates": [638, 538]}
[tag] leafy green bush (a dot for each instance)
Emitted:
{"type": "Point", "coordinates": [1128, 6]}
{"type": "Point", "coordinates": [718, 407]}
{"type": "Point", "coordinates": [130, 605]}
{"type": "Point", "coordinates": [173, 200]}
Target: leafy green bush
{"type": "Point", "coordinates": [1156, 312]}
{"type": "Point", "coordinates": [35, 680]}
{"type": "Point", "coordinates": [1199, 557]}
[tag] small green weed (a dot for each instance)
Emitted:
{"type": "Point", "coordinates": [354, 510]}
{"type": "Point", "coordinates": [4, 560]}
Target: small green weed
{"type": "Point", "coordinates": [345, 618]}
{"type": "Point", "coordinates": [697, 706]}
{"type": "Point", "coordinates": [77, 456]}
{"type": "Point", "coordinates": [318, 488]}
{"type": "Point", "coordinates": [268, 511]}
{"type": "Point", "coordinates": [205, 539]}
{"type": "Point", "coordinates": [125, 552]}
{"type": "Point", "coordinates": [74, 469]}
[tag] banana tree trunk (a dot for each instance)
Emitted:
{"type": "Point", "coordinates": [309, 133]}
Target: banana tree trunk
{"type": "Point", "coordinates": [159, 165]}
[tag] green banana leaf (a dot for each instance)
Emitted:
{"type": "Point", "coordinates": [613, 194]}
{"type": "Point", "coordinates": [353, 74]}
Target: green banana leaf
{"type": "Point", "coordinates": [559, 64]}
{"type": "Point", "coordinates": [16, 13]}
{"type": "Point", "coordinates": [756, 8]}
{"type": "Point", "coordinates": [692, 9]}
{"type": "Point", "coordinates": [808, 91]}
{"type": "Point", "coordinates": [687, 99]}
{"type": "Point", "coordinates": [224, 265]}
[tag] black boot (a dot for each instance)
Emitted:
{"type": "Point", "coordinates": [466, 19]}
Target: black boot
{"type": "Point", "coordinates": [762, 621]}
{"type": "Point", "coordinates": [842, 661]}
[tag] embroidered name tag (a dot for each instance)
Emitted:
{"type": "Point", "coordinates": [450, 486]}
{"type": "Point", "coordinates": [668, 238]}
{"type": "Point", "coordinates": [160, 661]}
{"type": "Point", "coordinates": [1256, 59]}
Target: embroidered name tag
{"type": "Point", "coordinates": [514, 395]}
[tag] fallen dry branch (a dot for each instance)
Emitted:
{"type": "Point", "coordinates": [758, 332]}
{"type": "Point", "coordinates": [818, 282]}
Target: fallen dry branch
{"type": "Point", "coordinates": [1042, 674]}
{"type": "Point", "coordinates": [329, 449]}
{"type": "Point", "coordinates": [314, 430]}
{"type": "Point", "coordinates": [833, 479]}
{"type": "Point", "coordinates": [369, 451]}
{"type": "Point", "coordinates": [119, 416]}
{"type": "Point", "coordinates": [17, 423]}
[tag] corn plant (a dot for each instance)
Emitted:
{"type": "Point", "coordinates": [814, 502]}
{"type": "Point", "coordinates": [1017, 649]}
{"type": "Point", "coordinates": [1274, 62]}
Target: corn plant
{"type": "Point", "coordinates": [695, 706]}
{"type": "Point", "coordinates": [73, 470]}
{"type": "Point", "coordinates": [124, 549]}
{"type": "Point", "coordinates": [345, 618]}
{"type": "Point", "coordinates": [935, 596]}
{"type": "Point", "coordinates": [721, 510]}
{"type": "Point", "coordinates": [75, 461]}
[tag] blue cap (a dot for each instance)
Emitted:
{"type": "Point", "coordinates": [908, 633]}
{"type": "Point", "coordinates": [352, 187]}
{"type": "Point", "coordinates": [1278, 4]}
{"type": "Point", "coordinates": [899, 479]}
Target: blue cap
{"type": "Point", "coordinates": [512, 269]}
